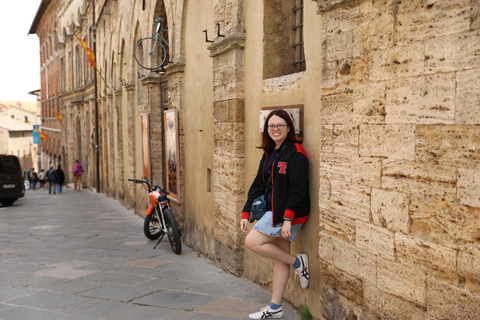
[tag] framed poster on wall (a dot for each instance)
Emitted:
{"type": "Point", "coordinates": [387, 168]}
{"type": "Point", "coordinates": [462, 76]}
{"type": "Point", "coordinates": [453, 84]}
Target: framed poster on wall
{"type": "Point", "coordinates": [146, 145]}
{"type": "Point", "coordinates": [171, 154]}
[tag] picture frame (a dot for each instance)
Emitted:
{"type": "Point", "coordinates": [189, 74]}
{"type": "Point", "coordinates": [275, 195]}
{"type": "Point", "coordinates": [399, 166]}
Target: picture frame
{"type": "Point", "coordinates": [146, 145]}
{"type": "Point", "coordinates": [172, 154]}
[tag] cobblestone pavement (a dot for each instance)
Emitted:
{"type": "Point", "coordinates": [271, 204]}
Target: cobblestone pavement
{"type": "Point", "coordinates": [81, 255]}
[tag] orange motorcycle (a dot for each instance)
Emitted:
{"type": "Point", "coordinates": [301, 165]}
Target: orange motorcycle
{"type": "Point", "coordinates": [159, 219]}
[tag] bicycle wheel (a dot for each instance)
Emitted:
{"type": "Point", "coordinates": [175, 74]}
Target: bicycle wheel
{"type": "Point", "coordinates": [152, 226]}
{"type": "Point", "coordinates": [172, 231]}
{"type": "Point", "coordinates": [150, 53]}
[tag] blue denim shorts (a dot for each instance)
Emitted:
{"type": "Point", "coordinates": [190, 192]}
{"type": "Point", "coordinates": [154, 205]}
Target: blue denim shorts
{"type": "Point", "coordinates": [264, 225]}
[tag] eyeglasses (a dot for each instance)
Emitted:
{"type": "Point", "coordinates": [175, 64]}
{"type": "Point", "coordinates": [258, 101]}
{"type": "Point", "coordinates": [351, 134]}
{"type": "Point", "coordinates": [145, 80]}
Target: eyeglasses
{"type": "Point", "coordinates": [277, 126]}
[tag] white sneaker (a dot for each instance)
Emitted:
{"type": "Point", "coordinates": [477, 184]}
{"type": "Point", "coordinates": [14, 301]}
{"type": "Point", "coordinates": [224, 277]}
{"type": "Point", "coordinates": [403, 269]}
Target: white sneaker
{"type": "Point", "coordinates": [302, 271]}
{"type": "Point", "coordinates": [267, 313]}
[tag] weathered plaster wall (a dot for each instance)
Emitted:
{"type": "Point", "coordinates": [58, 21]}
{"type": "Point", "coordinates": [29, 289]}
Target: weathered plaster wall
{"type": "Point", "coordinates": [297, 88]}
{"type": "Point", "coordinates": [198, 119]}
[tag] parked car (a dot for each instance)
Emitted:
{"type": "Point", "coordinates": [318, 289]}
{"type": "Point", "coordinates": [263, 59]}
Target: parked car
{"type": "Point", "coordinates": [11, 180]}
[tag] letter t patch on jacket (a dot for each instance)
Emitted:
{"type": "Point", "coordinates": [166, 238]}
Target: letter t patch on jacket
{"type": "Point", "coordinates": [283, 167]}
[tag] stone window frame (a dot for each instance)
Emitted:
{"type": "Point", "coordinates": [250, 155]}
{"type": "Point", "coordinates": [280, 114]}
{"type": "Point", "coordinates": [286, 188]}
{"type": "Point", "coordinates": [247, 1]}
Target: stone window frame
{"type": "Point", "coordinates": [283, 41]}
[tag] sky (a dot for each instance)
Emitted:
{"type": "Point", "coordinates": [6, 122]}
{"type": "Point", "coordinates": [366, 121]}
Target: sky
{"type": "Point", "coordinates": [19, 53]}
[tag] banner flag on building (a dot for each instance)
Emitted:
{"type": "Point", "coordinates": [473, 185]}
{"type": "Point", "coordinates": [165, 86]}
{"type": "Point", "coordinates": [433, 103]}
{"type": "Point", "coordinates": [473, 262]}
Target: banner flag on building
{"type": "Point", "coordinates": [27, 156]}
{"type": "Point", "coordinates": [43, 136]}
{"type": "Point", "coordinates": [36, 136]}
{"type": "Point", "coordinates": [59, 117]}
{"type": "Point", "coordinates": [90, 55]}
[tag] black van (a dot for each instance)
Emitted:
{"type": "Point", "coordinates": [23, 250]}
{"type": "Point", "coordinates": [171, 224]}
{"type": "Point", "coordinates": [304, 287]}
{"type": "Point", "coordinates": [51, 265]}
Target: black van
{"type": "Point", "coordinates": [11, 180]}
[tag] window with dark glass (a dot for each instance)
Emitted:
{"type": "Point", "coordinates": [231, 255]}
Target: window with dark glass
{"type": "Point", "coordinates": [78, 68]}
{"type": "Point", "coordinates": [299, 54]}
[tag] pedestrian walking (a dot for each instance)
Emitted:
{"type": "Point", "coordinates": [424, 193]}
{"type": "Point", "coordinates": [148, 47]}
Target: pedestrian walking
{"type": "Point", "coordinates": [28, 177]}
{"type": "Point", "coordinates": [33, 178]}
{"type": "Point", "coordinates": [41, 178]}
{"type": "Point", "coordinates": [282, 178]}
{"type": "Point", "coordinates": [60, 179]}
{"type": "Point", "coordinates": [77, 175]}
{"type": "Point", "coordinates": [52, 180]}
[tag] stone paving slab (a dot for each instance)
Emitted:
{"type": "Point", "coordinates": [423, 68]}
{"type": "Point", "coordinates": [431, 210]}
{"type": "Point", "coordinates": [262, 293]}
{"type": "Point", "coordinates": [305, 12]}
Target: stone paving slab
{"type": "Point", "coordinates": [82, 255]}
{"type": "Point", "coordinates": [175, 299]}
{"type": "Point", "coordinates": [193, 315]}
{"type": "Point", "coordinates": [23, 313]}
{"type": "Point", "coordinates": [115, 292]}
{"type": "Point", "coordinates": [97, 309]}
{"type": "Point", "coordinates": [76, 286]}
{"type": "Point", "coordinates": [64, 273]}
{"type": "Point", "coordinates": [46, 300]}
{"type": "Point", "coordinates": [146, 312]}
{"type": "Point", "coordinates": [230, 307]}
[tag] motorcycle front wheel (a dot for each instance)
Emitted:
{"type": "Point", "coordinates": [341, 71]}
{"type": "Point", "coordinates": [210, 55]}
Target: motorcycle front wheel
{"type": "Point", "coordinates": [172, 231]}
{"type": "Point", "coordinates": [152, 227]}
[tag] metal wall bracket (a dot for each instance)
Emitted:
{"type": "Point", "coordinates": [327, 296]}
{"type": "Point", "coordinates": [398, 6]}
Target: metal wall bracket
{"type": "Point", "coordinates": [206, 36]}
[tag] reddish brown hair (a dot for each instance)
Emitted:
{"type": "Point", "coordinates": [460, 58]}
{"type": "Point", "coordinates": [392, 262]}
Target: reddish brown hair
{"type": "Point", "coordinates": [267, 143]}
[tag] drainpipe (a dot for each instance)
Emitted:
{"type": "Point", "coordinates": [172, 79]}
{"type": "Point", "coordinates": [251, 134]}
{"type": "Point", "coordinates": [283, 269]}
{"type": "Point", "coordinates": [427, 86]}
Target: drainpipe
{"type": "Point", "coordinates": [97, 153]}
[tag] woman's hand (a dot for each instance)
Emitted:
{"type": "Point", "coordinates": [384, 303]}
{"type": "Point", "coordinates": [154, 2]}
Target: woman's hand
{"type": "Point", "coordinates": [286, 229]}
{"type": "Point", "coordinates": [243, 225]}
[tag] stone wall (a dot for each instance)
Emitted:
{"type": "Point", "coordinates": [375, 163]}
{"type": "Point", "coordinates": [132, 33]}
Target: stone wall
{"type": "Point", "coordinates": [229, 136]}
{"type": "Point", "coordinates": [399, 169]}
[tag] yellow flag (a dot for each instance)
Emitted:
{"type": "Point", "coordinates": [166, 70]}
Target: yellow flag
{"type": "Point", "coordinates": [43, 136]}
{"type": "Point", "coordinates": [59, 117]}
{"type": "Point", "coordinates": [90, 55]}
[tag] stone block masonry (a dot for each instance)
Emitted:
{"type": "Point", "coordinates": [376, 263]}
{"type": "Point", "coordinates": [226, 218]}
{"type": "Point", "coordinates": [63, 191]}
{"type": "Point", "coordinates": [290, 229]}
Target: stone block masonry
{"type": "Point", "coordinates": [229, 140]}
{"type": "Point", "coordinates": [400, 160]}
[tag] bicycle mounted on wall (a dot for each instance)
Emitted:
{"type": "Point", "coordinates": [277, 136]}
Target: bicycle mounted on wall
{"type": "Point", "coordinates": [156, 59]}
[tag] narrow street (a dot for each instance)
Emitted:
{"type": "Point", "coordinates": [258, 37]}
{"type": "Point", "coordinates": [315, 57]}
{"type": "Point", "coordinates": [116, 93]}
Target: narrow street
{"type": "Point", "coordinates": [81, 255]}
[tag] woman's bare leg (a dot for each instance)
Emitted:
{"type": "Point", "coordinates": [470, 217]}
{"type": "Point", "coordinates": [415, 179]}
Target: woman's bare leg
{"type": "Point", "coordinates": [268, 247]}
{"type": "Point", "coordinates": [277, 249]}
{"type": "Point", "coordinates": [281, 272]}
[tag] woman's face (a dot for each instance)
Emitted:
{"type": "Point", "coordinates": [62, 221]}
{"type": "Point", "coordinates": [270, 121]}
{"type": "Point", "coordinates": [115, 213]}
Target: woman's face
{"type": "Point", "coordinates": [277, 130]}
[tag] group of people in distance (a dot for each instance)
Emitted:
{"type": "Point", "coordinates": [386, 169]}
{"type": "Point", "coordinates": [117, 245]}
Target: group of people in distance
{"type": "Point", "coordinates": [54, 178]}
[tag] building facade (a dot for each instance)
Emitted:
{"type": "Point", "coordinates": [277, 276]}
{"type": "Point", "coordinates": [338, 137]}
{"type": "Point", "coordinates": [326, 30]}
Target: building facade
{"type": "Point", "coordinates": [16, 138]}
{"type": "Point", "coordinates": [16, 132]}
{"type": "Point", "coordinates": [25, 111]}
{"type": "Point", "coordinates": [49, 95]}
{"type": "Point", "coordinates": [389, 119]}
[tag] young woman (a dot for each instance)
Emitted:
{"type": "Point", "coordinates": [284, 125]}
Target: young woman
{"type": "Point", "coordinates": [283, 178]}
{"type": "Point", "coordinates": [77, 175]}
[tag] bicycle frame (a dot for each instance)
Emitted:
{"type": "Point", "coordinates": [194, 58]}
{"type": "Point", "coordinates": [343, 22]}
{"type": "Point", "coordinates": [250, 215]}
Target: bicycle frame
{"type": "Point", "coordinates": [158, 41]}
{"type": "Point", "coordinates": [158, 35]}
{"type": "Point", "coordinates": [159, 45]}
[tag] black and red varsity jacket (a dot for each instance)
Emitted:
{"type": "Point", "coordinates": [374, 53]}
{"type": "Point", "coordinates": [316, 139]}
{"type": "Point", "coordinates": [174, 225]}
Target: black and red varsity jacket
{"type": "Point", "coordinates": [289, 178]}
